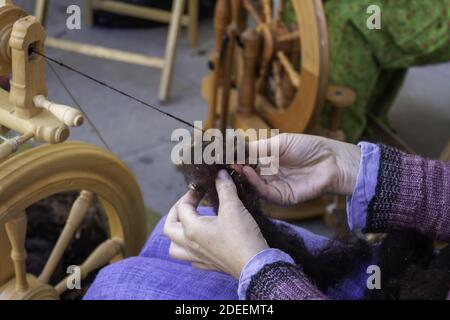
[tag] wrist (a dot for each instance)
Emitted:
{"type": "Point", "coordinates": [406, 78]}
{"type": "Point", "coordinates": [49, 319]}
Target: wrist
{"type": "Point", "coordinates": [348, 158]}
{"type": "Point", "coordinates": [246, 258]}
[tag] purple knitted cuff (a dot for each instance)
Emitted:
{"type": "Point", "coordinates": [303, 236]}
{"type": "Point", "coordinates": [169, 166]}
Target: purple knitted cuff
{"type": "Point", "coordinates": [411, 193]}
{"type": "Point", "coordinates": [282, 281]}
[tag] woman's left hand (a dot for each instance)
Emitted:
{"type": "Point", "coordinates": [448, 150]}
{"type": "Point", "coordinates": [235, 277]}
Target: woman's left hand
{"type": "Point", "coordinates": [225, 242]}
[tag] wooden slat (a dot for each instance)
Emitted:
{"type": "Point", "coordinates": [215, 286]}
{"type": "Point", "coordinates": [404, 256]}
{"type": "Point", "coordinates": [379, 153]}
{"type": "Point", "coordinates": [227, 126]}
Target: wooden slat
{"type": "Point", "coordinates": [105, 53]}
{"type": "Point", "coordinates": [136, 11]}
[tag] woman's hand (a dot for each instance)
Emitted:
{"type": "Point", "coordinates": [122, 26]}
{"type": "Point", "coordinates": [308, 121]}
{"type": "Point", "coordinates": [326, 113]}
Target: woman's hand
{"type": "Point", "coordinates": [225, 242]}
{"type": "Point", "coordinates": [310, 166]}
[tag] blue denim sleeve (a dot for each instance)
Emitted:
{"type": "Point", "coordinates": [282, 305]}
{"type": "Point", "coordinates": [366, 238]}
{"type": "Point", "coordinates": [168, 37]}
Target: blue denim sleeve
{"type": "Point", "coordinates": [366, 183]}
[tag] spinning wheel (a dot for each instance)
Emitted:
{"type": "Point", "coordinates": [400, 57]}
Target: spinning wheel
{"type": "Point", "coordinates": [271, 72]}
{"type": "Point", "coordinates": [278, 79]}
{"type": "Point", "coordinates": [47, 170]}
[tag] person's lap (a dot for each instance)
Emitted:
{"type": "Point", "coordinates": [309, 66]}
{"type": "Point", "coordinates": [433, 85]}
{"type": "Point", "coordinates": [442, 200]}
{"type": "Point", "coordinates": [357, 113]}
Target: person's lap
{"type": "Point", "coordinates": [155, 275]}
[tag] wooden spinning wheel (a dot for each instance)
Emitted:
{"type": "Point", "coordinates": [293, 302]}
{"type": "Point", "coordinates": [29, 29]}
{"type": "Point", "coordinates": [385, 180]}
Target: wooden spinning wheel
{"type": "Point", "coordinates": [47, 170]}
{"type": "Point", "coordinates": [270, 73]}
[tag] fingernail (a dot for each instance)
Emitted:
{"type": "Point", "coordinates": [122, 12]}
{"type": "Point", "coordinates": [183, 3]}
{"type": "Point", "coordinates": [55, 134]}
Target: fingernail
{"type": "Point", "coordinates": [223, 175]}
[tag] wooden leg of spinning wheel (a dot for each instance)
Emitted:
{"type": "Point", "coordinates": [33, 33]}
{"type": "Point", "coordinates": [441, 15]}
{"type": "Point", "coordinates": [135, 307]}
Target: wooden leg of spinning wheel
{"type": "Point", "coordinates": [339, 98]}
{"type": "Point", "coordinates": [335, 119]}
{"type": "Point", "coordinates": [171, 47]}
{"type": "Point", "coordinates": [212, 111]}
{"type": "Point", "coordinates": [222, 18]}
{"type": "Point", "coordinates": [239, 16]}
{"type": "Point", "coordinates": [226, 83]}
{"type": "Point", "coordinates": [252, 44]}
{"type": "Point", "coordinates": [17, 230]}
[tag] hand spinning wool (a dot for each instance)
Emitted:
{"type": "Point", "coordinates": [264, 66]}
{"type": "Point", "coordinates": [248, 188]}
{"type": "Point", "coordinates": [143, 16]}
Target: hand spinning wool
{"type": "Point", "coordinates": [407, 258]}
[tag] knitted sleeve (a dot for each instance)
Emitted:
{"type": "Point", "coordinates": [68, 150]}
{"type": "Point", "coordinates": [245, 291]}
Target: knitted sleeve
{"type": "Point", "coordinates": [282, 281]}
{"type": "Point", "coordinates": [411, 193]}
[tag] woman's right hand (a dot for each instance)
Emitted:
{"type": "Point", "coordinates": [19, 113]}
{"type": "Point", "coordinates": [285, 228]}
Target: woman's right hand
{"type": "Point", "coordinates": [309, 166]}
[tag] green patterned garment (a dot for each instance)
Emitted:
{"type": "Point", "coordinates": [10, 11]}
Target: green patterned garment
{"type": "Point", "coordinates": [374, 62]}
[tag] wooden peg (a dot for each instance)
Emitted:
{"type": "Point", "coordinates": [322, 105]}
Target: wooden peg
{"type": "Point", "coordinates": [67, 115]}
{"type": "Point", "coordinates": [252, 50]}
{"type": "Point", "coordinates": [339, 98]}
{"type": "Point", "coordinates": [17, 231]}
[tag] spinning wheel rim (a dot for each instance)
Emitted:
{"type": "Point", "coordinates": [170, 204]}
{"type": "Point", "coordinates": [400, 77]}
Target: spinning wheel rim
{"type": "Point", "coordinates": [86, 168]}
{"type": "Point", "coordinates": [303, 111]}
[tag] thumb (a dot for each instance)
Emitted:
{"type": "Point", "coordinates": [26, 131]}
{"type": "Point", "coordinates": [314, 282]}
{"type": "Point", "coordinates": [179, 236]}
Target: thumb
{"type": "Point", "coordinates": [226, 189]}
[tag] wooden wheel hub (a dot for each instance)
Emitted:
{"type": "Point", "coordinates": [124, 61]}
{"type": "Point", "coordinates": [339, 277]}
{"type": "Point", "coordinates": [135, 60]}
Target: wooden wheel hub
{"type": "Point", "coordinates": [36, 290]}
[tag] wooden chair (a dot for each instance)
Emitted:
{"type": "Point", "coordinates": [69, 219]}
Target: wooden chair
{"type": "Point", "coordinates": [175, 18]}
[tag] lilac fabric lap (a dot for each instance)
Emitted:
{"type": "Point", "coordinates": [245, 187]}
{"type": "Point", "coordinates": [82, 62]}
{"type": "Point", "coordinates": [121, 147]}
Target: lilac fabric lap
{"type": "Point", "coordinates": [155, 275]}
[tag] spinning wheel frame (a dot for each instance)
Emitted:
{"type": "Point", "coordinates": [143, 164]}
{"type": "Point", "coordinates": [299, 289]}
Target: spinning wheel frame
{"type": "Point", "coordinates": [302, 112]}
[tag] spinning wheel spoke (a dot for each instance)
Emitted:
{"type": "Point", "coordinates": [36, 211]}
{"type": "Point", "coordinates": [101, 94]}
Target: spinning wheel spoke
{"type": "Point", "coordinates": [16, 230]}
{"type": "Point", "coordinates": [104, 253]}
{"type": "Point", "coordinates": [267, 9]}
{"type": "Point", "coordinates": [293, 75]}
{"type": "Point", "coordinates": [77, 213]}
{"type": "Point", "coordinates": [263, 74]}
{"type": "Point", "coordinates": [293, 36]}
{"type": "Point", "coordinates": [279, 96]}
{"type": "Point", "coordinates": [253, 12]}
